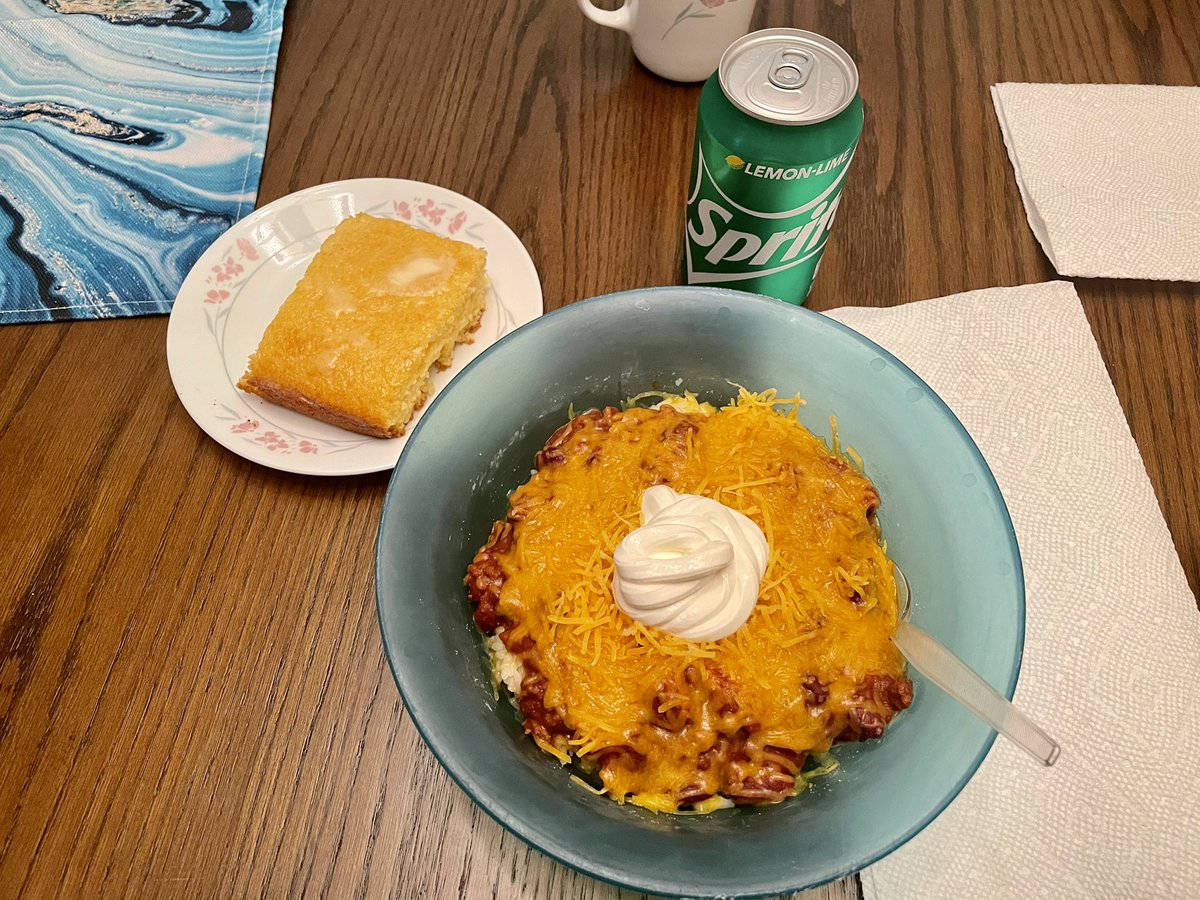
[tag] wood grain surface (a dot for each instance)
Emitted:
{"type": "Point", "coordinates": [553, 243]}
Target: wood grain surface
{"type": "Point", "coordinates": [194, 700]}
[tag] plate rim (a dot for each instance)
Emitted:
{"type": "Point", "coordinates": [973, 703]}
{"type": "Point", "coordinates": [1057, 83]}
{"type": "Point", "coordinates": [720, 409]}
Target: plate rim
{"type": "Point", "coordinates": [178, 328]}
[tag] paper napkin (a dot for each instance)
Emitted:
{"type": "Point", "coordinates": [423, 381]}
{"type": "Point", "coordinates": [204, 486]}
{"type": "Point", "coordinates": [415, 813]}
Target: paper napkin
{"type": "Point", "coordinates": [1112, 651]}
{"type": "Point", "coordinates": [1109, 174]}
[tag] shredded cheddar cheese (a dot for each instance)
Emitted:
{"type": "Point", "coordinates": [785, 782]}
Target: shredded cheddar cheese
{"type": "Point", "coordinates": [668, 722]}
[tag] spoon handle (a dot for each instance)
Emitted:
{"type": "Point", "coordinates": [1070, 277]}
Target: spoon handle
{"type": "Point", "coordinates": [957, 679]}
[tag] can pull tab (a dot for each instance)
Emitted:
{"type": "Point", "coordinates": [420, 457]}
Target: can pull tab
{"type": "Point", "coordinates": [790, 69]}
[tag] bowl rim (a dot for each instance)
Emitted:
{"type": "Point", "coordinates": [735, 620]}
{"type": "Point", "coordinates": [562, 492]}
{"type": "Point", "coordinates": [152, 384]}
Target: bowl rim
{"type": "Point", "coordinates": [612, 875]}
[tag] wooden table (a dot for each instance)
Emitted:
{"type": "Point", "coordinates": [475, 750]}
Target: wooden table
{"type": "Point", "coordinates": [193, 695]}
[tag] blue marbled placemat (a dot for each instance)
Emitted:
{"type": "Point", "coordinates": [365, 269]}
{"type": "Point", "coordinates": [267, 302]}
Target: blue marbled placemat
{"type": "Point", "coordinates": [131, 136]}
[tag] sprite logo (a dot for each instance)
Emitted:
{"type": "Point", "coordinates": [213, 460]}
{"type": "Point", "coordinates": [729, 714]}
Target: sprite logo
{"type": "Point", "coordinates": [731, 241]}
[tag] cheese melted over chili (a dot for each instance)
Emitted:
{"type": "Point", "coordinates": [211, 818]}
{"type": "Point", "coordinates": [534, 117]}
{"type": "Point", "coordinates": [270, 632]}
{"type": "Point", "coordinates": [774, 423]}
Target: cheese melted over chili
{"type": "Point", "coordinates": [668, 722]}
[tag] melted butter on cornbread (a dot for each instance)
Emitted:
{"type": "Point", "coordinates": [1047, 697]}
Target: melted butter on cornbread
{"type": "Point", "coordinates": [419, 274]}
{"type": "Point", "coordinates": [381, 303]}
{"type": "Point", "coordinates": [338, 300]}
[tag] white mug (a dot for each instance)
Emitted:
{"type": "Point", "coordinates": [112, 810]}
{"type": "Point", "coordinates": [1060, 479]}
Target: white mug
{"type": "Point", "coordinates": [678, 39]}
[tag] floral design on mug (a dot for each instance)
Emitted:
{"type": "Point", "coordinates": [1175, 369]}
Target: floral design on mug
{"type": "Point", "coordinates": [691, 12]}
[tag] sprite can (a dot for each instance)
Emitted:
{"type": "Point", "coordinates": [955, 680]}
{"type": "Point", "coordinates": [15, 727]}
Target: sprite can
{"type": "Point", "coordinates": [775, 133]}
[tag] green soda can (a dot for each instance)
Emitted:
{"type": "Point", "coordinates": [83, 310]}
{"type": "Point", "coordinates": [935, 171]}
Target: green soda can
{"type": "Point", "coordinates": [776, 130]}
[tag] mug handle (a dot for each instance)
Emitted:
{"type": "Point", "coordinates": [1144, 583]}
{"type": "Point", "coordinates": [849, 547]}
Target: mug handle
{"type": "Point", "coordinates": [620, 18]}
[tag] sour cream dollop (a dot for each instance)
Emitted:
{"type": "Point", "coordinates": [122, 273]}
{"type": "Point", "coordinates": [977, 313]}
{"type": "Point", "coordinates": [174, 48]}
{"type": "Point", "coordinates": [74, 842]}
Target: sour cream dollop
{"type": "Point", "coordinates": [693, 568]}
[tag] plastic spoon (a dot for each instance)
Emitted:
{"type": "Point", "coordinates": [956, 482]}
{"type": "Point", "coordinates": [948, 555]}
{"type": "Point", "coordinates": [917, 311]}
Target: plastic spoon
{"type": "Point", "coordinates": [958, 680]}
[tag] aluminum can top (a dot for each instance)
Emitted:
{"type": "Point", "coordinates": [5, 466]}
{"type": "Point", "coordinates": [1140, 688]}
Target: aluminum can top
{"type": "Point", "coordinates": [787, 76]}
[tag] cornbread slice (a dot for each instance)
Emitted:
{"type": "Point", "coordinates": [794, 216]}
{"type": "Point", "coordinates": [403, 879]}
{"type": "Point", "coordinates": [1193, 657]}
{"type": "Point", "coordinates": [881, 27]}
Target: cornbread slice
{"type": "Point", "coordinates": [381, 303]}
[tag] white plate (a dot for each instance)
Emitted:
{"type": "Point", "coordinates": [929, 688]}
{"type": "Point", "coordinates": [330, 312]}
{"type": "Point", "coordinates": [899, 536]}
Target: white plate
{"type": "Point", "coordinates": [234, 290]}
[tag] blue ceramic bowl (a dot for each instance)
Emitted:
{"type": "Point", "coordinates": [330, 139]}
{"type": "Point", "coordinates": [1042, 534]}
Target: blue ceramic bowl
{"type": "Point", "coordinates": [942, 515]}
